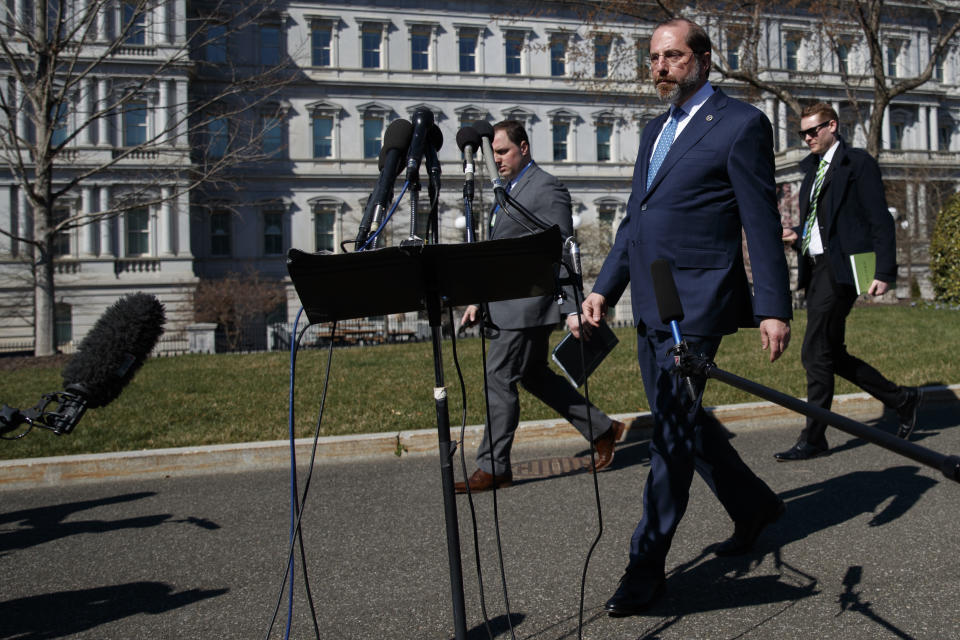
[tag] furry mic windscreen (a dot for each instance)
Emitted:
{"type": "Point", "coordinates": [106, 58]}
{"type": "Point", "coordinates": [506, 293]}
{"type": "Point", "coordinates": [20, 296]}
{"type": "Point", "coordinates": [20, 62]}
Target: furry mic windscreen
{"type": "Point", "coordinates": [116, 347]}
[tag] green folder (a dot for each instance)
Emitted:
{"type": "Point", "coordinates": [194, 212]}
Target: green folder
{"type": "Point", "coordinates": [864, 267]}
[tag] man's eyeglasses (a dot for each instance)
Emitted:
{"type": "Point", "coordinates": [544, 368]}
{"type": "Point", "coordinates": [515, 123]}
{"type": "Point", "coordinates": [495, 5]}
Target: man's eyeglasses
{"type": "Point", "coordinates": [813, 131]}
{"type": "Point", "coordinates": [673, 58]}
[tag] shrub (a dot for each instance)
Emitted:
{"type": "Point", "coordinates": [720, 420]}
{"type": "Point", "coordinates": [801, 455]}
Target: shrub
{"type": "Point", "coordinates": [945, 253]}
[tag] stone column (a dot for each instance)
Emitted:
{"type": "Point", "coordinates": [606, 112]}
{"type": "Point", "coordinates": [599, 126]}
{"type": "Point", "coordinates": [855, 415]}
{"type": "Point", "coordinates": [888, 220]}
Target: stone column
{"type": "Point", "coordinates": [107, 247]}
{"type": "Point", "coordinates": [164, 237]}
{"type": "Point", "coordinates": [103, 123]}
{"type": "Point", "coordinates": [87, 232]}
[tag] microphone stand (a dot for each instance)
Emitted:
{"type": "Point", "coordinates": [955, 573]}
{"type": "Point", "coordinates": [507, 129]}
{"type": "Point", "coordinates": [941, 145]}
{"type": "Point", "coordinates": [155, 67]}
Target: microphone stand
{"type": "Point", "coordinates": [690, 364]}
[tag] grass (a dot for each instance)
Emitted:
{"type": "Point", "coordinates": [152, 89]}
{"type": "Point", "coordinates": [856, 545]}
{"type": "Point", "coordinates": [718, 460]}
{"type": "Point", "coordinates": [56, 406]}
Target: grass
{"type": "Point", "coordinates": [213, 399]}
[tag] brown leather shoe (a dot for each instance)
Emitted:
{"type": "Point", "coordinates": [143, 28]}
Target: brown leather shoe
{"type": "Point", "coordinates": [483, 481]}
{"type": "Point", "coordinates": [606, 443]}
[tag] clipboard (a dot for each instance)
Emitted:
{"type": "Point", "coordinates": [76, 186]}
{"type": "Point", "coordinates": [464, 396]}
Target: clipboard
{"type": "Point", "coordinates": [566, 354]}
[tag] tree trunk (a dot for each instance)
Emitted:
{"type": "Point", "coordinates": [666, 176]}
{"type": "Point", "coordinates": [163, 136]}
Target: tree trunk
{"type": "Point", "coordinates": [43, 304]}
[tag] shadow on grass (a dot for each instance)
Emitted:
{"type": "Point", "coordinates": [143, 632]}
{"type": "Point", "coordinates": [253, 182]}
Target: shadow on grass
{"type": "Point", "coordinates": [63, 614]}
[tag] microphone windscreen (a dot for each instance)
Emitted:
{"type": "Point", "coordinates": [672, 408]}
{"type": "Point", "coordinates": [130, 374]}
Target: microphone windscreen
{"type": "Point", "coordinates": [115, 348]}
{"type": "Point", "coordinates": [483, 128]}
{"type": "Point", "coordinates": [435, 137]}
{"type": "Point", "coordinates": [468, 136]}
{"type": "Point", "coordinates": [397, 136]}
{"type": "Point", "coordinates": [665, 290]}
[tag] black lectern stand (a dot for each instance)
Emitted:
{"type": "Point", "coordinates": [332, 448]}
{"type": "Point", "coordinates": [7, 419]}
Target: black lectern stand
{"type": "Point", "coordinates": [396, 280]}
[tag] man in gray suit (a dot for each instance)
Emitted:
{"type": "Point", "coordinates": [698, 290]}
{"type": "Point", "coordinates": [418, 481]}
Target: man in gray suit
{"type": "Point", "coordinates": [517, 351]}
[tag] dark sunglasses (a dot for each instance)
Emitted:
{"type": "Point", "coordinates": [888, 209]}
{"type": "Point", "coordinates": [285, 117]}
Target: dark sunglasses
{"type": "Point", "coordinates": [813, 131]}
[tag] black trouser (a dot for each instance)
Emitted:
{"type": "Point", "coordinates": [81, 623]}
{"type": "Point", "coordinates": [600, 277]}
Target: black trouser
{"type": "Point", "coordinates": [825, 354]}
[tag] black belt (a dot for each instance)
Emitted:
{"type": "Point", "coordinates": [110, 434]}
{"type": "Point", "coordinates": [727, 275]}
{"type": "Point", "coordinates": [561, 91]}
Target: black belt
{"type": "Point", "coordinates": [817, 259]}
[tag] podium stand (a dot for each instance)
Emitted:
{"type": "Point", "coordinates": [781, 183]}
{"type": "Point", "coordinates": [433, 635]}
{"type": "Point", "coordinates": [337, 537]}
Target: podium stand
{"type": "Point", "coordinates": [396, 280]}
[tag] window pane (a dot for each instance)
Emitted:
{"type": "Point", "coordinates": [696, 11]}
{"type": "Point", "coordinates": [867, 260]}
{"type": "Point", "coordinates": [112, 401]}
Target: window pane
{"type": "Point", "coordinates": [217, 138]}
{"type": "Point", "coordinates": [61, 241]}
{"type": "Point", "coordinates": [323, 137]}
{"type": "Point", "coordinates": [320, 45]}
{"type": "Point", "coordinates": [269, 44]}
{"type": "Point", "coordinates": [792, 47]}
{"type": "Point", "coordinates": [514, 45]}
{"type": "Point", "coordinates": [604, 133]}
{"type": "Point", "coordinates": [370, 42]}
{"type": "Point", "coordinates": [560, 133]}
{"type": "Point", "coordinates": [215, 48]}
{"type": "Point", "coordinates": [601, 56]}
{"type": "Point", "coordinates": [558, 57]}
{"type": "Point", "coordinates": [220, 234]}
{"type": "Point", "coordinates": [62, 323]}
{"type": "Point", "coordinates": [134, 20]}
{"type": "Point", "coordinates": [58, 116]}
{"type": "Point", "coordinates": [420, 48]}
{"type": "Point", "coordinates": [273, 143]}
{"type": "Point", "coordinates": [138, 232]}
{"type": "Point", "coordinates": [273, 233]}
{"type": "Point", "coordinates": [372, 137]}
{"type": "Point", "coordinates": [468, 51]}
{"type": "Point", "coordinates": [134, 124]}
{"type": "Point", "coordinates": [323, 229]}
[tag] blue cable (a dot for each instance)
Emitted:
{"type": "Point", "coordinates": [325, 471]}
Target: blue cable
{"type": "Point", "coordinates": [383, 224]}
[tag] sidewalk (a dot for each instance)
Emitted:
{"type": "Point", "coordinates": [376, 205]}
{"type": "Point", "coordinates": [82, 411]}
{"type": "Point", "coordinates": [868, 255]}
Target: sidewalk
{"type": "Point", "coordinates": [159, 463]}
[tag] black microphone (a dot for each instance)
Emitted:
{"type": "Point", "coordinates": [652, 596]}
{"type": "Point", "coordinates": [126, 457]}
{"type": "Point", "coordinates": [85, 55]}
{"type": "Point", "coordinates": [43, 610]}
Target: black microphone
{"type": "Point", "coordinates": [422, 132]}
{"type": "Point", "coordinates": [468, 140]}
{"type": "Point", "coordinates": [106, 360]}
{"type": "Point", "coordinates": [432, 160]}
{"type": "Point", "coordinates": [396, 140]}
{"type": "Point", "coordinates": [671, 311]}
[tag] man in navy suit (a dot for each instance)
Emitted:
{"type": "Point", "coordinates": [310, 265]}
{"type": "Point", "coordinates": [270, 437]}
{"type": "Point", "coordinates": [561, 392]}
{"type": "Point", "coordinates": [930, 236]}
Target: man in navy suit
{"type": "Point", "coordinates": [847, 215]}
{"type": "Point", "coordinates": [518, 348]}
{"type": "Point", "coordinates": [704, 174]}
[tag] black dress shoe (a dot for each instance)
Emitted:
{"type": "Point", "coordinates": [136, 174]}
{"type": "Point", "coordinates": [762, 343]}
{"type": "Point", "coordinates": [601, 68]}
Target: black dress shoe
{"type": "Point", "coordinates": [635, 594]}
{"type": "Point", "coordinates": [909, 411]}
{"type": "Point", "coordinates": [745, 533]}
{"type": "Point", "coordinates": [800, 451]}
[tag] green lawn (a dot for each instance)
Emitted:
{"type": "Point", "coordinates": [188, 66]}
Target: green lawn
{"type": "Point", "coordinates": [210, 399]}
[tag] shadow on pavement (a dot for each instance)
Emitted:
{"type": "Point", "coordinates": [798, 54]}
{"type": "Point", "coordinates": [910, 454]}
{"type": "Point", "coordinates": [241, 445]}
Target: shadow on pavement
{"type": "Point", "coordinates": [63, 614]}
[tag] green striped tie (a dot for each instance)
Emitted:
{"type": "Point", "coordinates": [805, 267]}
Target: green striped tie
{"type": "Point", "coordinates": [812, 217]}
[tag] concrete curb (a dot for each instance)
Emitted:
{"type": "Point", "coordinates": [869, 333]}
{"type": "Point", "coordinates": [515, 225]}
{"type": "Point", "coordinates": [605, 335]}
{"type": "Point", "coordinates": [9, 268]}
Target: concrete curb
{"type": "Point", "coordinates": [160, 463]}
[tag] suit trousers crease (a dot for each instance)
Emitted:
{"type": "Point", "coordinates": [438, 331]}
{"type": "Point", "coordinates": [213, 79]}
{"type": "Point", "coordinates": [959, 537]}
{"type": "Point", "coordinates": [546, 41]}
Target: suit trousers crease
{"type": "Point", "coordinates": [685, 439]}
{"type": "Point", "coordinates": [519, 356]}
{"type": "Point", "coordinates": [824, 352]}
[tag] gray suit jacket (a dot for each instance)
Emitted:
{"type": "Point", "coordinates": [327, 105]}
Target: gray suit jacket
{"type": "Point", "coordinates": [547, 199]}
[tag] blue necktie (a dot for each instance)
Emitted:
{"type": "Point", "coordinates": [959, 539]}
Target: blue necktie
{"type": "Point", "coordinates": [663, 145]}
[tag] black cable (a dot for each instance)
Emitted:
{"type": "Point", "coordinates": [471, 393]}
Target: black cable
{"type": "Point", "coordinates": [463, 467]}
{"type": "Point", "coordinates": [306, 489]}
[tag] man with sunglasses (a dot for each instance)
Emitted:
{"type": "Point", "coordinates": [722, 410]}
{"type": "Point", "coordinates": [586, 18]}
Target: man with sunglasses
{"type": "Point", "coordinates": [704, 175]}
{"type": "Point", "coordinates": [845, 213]}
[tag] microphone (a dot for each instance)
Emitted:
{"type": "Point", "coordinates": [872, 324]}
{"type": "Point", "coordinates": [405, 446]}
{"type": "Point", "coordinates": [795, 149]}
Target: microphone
{"type": "Point", "coordinates": [106, 360]}
{"type": "Point", "coordinates": [468, 140]}
{"type": "Point", "coordinates": [671, 311]}
{"type": "Point", "coordinates": [432, 160]}
{"type": "Point", "coordinates": [423, 127]}
{"type": "Point", "coordinates": [485, 130]}
{"type": "Point", "coordinates": [396, 140]}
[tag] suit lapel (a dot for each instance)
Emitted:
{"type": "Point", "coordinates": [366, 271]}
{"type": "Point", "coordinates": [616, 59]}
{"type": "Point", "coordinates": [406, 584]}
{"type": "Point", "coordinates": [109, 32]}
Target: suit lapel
{"type": "Point", "coordinates": [706, 117]}
{"type": "Point", "coordinates": [514, 193]}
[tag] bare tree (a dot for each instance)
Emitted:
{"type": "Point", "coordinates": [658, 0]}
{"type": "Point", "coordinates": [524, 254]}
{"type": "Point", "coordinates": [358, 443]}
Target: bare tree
{"type": "Point", "coordinates": [98, 90]}
{"type": "Point", "coordinates": [857, 39]}
{"type": "Point", "coordinates": [236, 300]}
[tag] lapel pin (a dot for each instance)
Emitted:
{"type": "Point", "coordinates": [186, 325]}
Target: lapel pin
{"type": "Point", "coordinates": [710, 118]}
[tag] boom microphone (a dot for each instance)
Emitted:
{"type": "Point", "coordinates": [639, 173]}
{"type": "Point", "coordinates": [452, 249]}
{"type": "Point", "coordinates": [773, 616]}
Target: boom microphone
{"type": "Point", "coordinates": [485, 130]}
{"type": "Point", "coordinates": [671, 311]}
{"type": "Point", "coordinates": [106, 360]}
{"type": "Point", "coordinates": [396, 140]}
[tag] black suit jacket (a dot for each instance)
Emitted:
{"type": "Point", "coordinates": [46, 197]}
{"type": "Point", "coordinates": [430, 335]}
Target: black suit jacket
{"type": "Point", "coordinates": [852, 215]}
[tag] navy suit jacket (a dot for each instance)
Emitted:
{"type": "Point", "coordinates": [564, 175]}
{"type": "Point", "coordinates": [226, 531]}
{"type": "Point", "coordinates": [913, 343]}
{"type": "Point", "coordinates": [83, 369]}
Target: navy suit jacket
{"type": "Point", "coordinates": [717, 179]}
{"type": "Point", "coordinates": [852, 215]}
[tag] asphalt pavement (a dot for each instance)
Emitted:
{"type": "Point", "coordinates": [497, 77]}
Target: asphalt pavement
{"type": "Point", "coordinates": [868, 547]}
